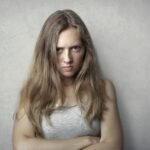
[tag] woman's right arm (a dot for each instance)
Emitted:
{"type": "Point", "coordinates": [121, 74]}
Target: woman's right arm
{"type": "Point", "coordinates": [24, 138]}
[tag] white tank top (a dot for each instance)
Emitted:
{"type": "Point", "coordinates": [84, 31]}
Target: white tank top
{"type": "Point", "coordinates": [68, 122]}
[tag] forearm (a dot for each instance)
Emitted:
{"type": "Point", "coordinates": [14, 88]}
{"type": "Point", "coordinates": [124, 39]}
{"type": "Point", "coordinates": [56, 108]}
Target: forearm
{"type": "Point", "coordinates": [39, 143]}
{"type": "Point", "coordinates": [105, 146]}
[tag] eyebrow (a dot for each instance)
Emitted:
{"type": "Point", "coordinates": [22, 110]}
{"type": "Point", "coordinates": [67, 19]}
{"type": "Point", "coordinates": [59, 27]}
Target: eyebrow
{"type": "Point", "coordinates": [74, 45]}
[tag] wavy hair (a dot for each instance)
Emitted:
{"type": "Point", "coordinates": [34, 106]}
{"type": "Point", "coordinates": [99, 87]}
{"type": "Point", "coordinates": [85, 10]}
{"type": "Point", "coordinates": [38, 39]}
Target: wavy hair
{"type": "Point", "coordinates": [43, 86]}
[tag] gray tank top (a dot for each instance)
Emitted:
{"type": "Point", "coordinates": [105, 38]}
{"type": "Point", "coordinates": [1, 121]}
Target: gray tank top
{"type": "Point", "coordinates": [68, 122]}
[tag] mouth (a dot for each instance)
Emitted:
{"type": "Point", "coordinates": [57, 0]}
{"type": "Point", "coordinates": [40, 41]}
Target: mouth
{"type": "Point", "coordinates": [67, 68]}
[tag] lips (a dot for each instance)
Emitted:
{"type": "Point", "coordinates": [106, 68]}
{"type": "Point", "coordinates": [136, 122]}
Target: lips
{"type": "Point", "coordinates": [67, 68]}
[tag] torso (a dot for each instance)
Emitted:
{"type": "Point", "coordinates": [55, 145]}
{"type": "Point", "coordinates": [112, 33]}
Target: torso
{"type": "Point", "coordinates": [68, 122]}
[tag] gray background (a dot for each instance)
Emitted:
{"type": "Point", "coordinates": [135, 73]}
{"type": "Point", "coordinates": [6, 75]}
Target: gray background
{"type": "Point", "coordinates": [121, 33]}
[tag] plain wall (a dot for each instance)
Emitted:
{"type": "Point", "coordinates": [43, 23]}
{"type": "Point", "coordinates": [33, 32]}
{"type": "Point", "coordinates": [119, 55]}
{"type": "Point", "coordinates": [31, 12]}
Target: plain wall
{"type": "Point", "coordinates": [121, 33]}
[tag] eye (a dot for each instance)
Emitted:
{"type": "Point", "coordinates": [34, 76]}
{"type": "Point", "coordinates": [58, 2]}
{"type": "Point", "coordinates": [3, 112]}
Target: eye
{"type": "Point", "coordinates": [59, 50]}
{"type": "Point", "coordinates": [76, 48]}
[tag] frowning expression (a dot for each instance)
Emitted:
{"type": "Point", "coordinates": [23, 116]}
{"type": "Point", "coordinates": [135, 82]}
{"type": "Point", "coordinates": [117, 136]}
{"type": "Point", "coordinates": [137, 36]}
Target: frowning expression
{"type": "Point", "coordinates": [70, 52]}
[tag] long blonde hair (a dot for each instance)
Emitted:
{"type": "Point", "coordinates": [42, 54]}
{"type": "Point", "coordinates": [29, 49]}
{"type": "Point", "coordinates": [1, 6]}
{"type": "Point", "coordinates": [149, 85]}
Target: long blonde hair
{"type": "Point", "coordinates": [43, 86]}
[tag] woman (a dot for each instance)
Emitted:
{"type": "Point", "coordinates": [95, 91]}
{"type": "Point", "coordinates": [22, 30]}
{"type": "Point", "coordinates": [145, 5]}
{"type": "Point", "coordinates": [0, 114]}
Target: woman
{"type": "Point", "coordinates": [64, 105]}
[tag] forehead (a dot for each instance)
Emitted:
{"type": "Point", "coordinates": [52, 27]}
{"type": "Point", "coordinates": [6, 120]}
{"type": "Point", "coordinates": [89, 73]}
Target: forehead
{"type": "Point", "coordinates": [69, 37]}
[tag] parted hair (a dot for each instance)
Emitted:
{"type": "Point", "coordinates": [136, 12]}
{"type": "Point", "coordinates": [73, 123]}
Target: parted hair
{"type": "Point", "coordinates": [44, 86]}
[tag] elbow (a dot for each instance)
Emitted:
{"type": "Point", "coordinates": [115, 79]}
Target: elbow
{"type": "Point", "coordinates": [19, 146]}
{"type": "Point", "coordinates": [115, 144]}
{"type": "Point", "coordinates": [16, 147]}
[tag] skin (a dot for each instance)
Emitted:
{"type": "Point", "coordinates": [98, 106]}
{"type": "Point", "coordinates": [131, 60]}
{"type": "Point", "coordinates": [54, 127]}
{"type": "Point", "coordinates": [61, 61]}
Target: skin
{"type": "Point", "coordinates": [70, 54]}
{"type": "Point", "coordinates": [111, 130]}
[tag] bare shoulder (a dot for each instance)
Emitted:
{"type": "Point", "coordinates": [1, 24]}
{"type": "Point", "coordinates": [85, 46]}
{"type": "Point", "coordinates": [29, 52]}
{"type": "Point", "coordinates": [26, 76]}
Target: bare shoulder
{"type": "Point", "coordinates": [110, 89]}
{"type": "Point", "coordinates": [111, 128]}
{"type": "Point", "coordinates": [22, 126]}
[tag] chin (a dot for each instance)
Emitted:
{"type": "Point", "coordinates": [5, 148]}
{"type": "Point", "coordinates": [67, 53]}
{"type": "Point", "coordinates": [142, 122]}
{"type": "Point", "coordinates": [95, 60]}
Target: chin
{"type": "Point", "coordinates": [68, 75]}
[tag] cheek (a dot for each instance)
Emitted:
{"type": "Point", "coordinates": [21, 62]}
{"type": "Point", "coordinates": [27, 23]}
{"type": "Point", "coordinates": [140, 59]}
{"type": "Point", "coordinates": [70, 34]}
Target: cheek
{"type": "Point", "coordinates": [80, 59]}
{"type": "Point", "coordinates": [82, 56]}
{"type": "Point", "coordinates": [58, 62]}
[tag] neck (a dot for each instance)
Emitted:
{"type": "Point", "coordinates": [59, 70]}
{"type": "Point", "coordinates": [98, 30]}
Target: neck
{"type": "Point", "coordinates": [68, 82]}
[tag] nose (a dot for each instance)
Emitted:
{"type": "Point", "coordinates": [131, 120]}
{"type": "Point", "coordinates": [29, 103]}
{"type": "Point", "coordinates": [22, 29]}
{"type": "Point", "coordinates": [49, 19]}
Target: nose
{"type": "Point", "coordinates": [67, 56]}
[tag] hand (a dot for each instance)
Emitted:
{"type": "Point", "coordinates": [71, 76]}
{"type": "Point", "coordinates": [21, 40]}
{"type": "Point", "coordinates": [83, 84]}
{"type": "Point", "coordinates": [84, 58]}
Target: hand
{"type": "Point", "coordinates": [83, 142]}
{"type": "Point", "coordinates": [92, 139]}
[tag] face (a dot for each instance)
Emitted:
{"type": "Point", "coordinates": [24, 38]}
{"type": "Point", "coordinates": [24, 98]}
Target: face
{"type": "Point", "coordinates": [70, 53]}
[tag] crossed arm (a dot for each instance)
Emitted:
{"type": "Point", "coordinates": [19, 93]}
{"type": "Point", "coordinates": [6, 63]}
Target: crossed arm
{"type": "Point", "coordinates": [24, 139]}
{"type": "Point", "coordinates": [111, 132]}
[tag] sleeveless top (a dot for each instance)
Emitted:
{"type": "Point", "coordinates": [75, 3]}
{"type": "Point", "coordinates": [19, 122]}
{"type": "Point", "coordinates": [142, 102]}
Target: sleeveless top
{"type": "Point", "coordinates": [68, 122]}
